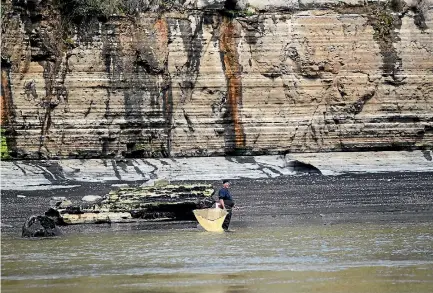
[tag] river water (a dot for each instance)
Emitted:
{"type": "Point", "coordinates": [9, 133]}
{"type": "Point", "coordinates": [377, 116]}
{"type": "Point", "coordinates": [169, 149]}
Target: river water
{"type": "Point", "coordinates": [346, 257]}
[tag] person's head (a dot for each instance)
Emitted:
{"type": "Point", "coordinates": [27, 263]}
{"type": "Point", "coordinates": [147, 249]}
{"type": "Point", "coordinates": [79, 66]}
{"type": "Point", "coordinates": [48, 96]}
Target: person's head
{"type": "Point", "coordinates": [226, 183]}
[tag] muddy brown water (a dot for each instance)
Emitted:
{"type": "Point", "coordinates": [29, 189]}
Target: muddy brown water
{"type": "Point", "coordinates": [352, 233]}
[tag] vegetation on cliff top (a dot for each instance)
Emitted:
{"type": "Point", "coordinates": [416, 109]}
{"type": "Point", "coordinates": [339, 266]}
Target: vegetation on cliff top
{"type": "Point", "coordinates": [79, 10]}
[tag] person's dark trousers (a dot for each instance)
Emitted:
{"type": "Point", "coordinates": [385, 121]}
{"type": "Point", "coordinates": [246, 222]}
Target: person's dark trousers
{"type": "Point", "coordinates": [229, 204]}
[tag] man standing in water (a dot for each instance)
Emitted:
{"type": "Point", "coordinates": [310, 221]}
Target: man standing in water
{"type": "Point", "coordinates": [226, 202]}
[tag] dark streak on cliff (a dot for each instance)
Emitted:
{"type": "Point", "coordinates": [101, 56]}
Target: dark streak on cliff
{"type": "Point", "coordinates": [150, 86]}
{"type": "Point", "coordinates": [167, 111]}
{"type": "Point", "coordinates": [386, 22]}
{"type": "Point", "coordinates": [164, 89]}
{"type": "Point", "coordinates": [114, 69]}
{"type": "Point", "coordinates": [45, 47]}
{"type": "Point", "coordinates": [192, 41]}
{"type": "Point", "coordinates": [419, 18]}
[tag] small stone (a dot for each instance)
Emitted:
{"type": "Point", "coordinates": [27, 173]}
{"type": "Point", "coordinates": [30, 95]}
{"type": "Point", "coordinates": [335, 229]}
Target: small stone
{"type": "Point", "coordinates": [65, 204]}
{"type": "Point", "coordinates": [91, 198]}
{"type": "Point", "coordinates": [120, 185]}
{"type": "Point", "coordinates": [60, 202]}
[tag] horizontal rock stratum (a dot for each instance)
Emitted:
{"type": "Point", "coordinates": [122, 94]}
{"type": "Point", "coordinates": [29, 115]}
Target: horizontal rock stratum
{"type": "Point", "coordinates": [201, 78]}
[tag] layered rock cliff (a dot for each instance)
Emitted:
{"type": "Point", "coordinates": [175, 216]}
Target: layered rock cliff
{"type": "Point", "coordinates": [199, 78]}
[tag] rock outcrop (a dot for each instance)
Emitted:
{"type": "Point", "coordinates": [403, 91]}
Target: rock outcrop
{"type": "Point", "coordinates": [200, 78]}
{"type": "Point", "coordinates": [166, 202]}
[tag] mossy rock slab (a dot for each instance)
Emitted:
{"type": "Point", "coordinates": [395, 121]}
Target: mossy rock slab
{"type": "Point", "coordinates": [130, 204]}
{"type": "Point", "coordinates": [164, 194]}
{"type": "Point", "coordinates": [168, 201]}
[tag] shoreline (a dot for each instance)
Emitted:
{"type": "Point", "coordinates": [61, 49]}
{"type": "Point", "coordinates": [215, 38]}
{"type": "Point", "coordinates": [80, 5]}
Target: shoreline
{"type": "Point", "coordinates": [264, 202]}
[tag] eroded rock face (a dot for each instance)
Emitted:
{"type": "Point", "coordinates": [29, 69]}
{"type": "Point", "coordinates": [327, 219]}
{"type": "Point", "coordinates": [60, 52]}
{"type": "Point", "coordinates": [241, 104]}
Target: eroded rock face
{"type": "Point", "coordinates": [218, 77]}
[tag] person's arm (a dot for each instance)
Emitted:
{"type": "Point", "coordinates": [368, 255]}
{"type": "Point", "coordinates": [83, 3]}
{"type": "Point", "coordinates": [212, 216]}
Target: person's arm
{"type": "Point", "coordinates": [222, 203]}
{"type": "Point", "coordinates": [220, 198]}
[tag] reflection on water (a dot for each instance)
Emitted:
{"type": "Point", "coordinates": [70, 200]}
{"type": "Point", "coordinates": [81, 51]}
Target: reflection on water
{"type": "Point", "coordinates": [393, 257]}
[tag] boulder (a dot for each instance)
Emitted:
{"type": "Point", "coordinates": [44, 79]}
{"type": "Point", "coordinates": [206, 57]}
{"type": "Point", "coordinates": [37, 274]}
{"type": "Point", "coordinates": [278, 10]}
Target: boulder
{"type": "Point", "coordinates": [40, 226]}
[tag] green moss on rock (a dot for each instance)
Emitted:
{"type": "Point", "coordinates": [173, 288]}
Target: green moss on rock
{"type": "Point", "coordinates": [4, 146]}
{"type": "Point", "coordinates": [159, 201]}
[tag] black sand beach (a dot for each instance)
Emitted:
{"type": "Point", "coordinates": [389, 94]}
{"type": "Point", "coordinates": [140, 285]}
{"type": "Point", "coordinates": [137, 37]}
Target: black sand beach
{"type": "Point", "coordinates": [287, 200]}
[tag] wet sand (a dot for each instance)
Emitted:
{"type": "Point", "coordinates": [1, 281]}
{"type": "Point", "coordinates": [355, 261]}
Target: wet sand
{"type": "Point", "coordinates": [282, 201]}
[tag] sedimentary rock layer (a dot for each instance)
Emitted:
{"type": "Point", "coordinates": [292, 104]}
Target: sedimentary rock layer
{"type": "Point", "coordinates": [217, 77]}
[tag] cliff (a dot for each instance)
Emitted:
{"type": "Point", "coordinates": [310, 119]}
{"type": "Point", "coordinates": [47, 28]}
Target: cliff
{"type": "Point", "coordinates": [199, 78]}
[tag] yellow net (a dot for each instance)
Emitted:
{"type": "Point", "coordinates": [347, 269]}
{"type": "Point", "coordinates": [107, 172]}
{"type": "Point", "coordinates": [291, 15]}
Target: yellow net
{"type": "Point", "coordinates": [211, 219]}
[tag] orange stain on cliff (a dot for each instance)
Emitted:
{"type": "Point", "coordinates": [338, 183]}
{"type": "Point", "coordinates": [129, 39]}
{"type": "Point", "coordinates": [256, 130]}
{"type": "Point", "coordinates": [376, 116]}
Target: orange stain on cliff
{"type": "Point", "coordinates": [161, 28]}
{"type": "Point", "coordinates": [232, 67]}
{"type": "Point", "coordinates": [5, 94]}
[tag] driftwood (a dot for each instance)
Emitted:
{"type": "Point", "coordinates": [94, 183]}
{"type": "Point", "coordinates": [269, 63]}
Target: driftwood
{"type": "Point", "coordinates": [167, 202]}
